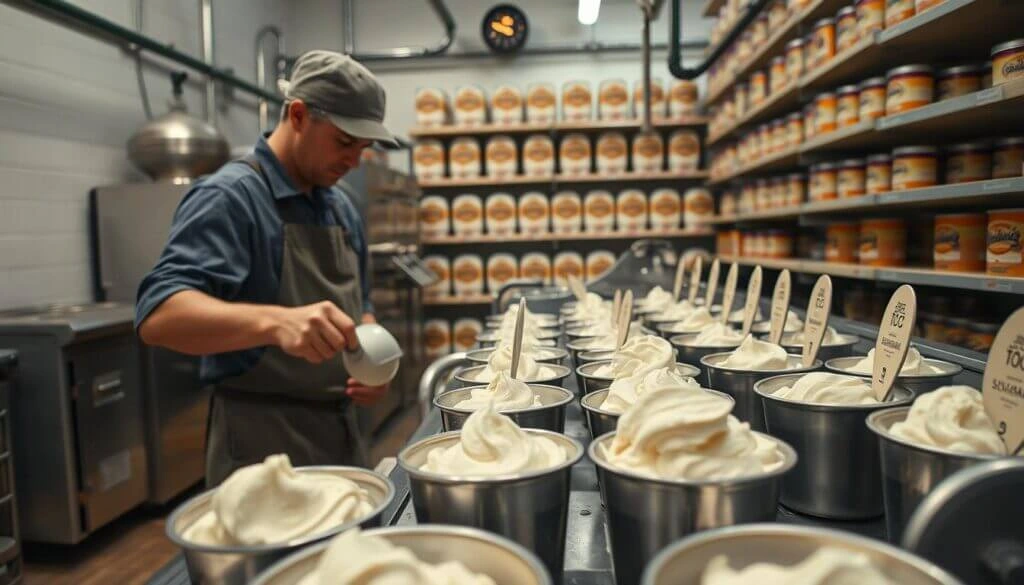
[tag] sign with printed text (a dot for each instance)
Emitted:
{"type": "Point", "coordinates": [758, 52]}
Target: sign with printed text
{"type": "Point", "coordinates": [893, 341]}
{"type": "Point", "coordinates": [677, 286]}
{"type": "Point", "coordinates": [698, 268]}
{"type": "Point", "coordinates": [709, 297]}
{"type": "Point", "coordinates": [625, 318]}
{"type": "Point", "coordinates": [1002, 388]}
{"type": "Point", "coordinates": [729, 294]}
{"type": "Point", "coordinates": [616, 306]}
{"type": "Point", "coordinates": [517, 340]}
{"type": "Point", "coordinates": [753, 298]}
{"type": "Point", "coordinates": [780, 306]}
{"type": "Point", "coordinates": [819, 307]}
{"type": "Point", "coordinates": [577, 288]}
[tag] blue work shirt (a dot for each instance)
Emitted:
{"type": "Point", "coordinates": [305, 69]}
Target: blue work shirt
{"type": "Point", "coordinates": [227, 241]}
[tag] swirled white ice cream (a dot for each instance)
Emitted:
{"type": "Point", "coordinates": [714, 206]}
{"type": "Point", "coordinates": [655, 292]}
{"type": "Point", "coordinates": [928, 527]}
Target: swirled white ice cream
{"type": "Point", "coordinates": [493, 444]}
{"type": "Point", "coordinates": [639, 355]}
{"type": "Point", "coordinates": [676, 311]}
{"type": "Point", "coordinates": [690, 436]}
{"type": "Point", "coordinates": [953, 418]}
{"type": "Point", "coordinates": [832, 337]}
{"type": "Point", "coordinates": [357, 558]}
{"type": "Point", "coordinates": [609, 340]}
{"type": "Point", "coordinates": [505, 392]}
{"type": "Point", "coordinates": [914, 365]}
{"type": "Point", "coordinates": [695, 321]}
{"type": "Point", "coordinates": [658, 299]}
{"type": "Point", "coordinates": [826, 388]}
{"type": "Point", "coordinates": [754, 354]}
{"type": "Point", "coordinates": [508, 330]}
{"type": "Point", "coordinates": [596, 329]}
{"type": "Point", "coordinates": [591, 307]}
{"type": "Point", "coordinates": [717, 334]}
{"type": "Point", "coordinates": [623, 392]}
{"type": "Point", "coordinates": [827, 566]}
{"type": "Point", "coordinates": [793, 324]}
{"type": "Point", "coordinates": [500, 360]}
{"type": "Point", "coordinates": [247, 508]}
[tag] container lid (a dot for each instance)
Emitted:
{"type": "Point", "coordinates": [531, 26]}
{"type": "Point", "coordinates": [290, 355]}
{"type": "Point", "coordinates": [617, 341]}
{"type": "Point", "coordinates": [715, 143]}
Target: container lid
{"type": "Point", "coordinates": [985, 327]}
{"type": "Point", "coordinates": [848, 89]}
{"type": "Point", "coordinates": [796, 116]}
{"type": "Point", "coordinates": [795, 44]}
{"type": "Point", "coordinates": [846, 11]}
{"type": "Point", "coordinates": [758, 74]}
{"type": "Point", "coordinates": [879, 158]}
{"type": "Point", "coordinates": [980, 216]}
{"type": "Point", "coordinates": [820, 167]}
{"type": "Point", "coordinates": [1010, 141]}
{"type": "Point", "coordinates": [852, 162]}
{"type": "Point", "coordinates": [911, 150]}
{"type": "Point", "coordinates": [825, 22]}
{"type": "Point", "coordinates": [909, 70]}
{"type": "Point", "coordinates": [970, 147]}
{"type": "Point", "coordinates": [799, 176]}
{"type": "Point", "coordinates": [872, 82]}
{"type": "Point", "coordinates": [1007, 46]}
{"type": "Point", "coordinates": [825, 95]}
{"type": "Point", "coordinates": [975, 69]}
{"type": "Point", "coordinates": [778, 59]}
{"type": "Point", "coordinates": [959, 321]}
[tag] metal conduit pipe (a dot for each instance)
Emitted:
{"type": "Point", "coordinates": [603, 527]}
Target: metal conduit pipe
{"type": "Point", "coordinates": [261, 69]}
{"type": "Point", "coordinates": [440, 48]}
{"type": "Point", "coordinates": [675, 56]}
{"type": "Point", "coordinates": [80, 20]}
{"type": "Point", "coordinates": [647, 10]}
{"type": "Point", "coordinates": [206, 54]}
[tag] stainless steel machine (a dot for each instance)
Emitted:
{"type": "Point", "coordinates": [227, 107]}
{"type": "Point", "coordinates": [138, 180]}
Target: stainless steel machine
{"type": "Point", "coordinates": [129, 229]}
{"type": "Point", "coordinates": [76, 418]}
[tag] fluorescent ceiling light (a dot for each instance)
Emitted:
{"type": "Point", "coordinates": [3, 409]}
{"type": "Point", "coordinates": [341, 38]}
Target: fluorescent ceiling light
{"type": "Point", "coordinates": [588, 11]}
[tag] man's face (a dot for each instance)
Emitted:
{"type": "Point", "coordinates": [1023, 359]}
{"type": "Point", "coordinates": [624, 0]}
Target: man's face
{"type": "Point", "coordinates": [323, 152]}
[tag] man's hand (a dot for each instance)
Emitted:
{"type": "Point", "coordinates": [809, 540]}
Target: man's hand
{"type": "Point", "coordinates": [364, 395]}
{"type": "Point", "coordinates": [315, 333]}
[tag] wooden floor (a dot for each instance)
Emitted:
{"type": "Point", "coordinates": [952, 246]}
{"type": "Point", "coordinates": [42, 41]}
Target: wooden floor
{"type": "Point", "coordinates": [131, 549]}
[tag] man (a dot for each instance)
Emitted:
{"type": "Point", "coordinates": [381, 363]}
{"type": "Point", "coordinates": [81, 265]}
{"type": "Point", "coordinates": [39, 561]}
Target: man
{"type": "Point", "coordinates": [264, 276]}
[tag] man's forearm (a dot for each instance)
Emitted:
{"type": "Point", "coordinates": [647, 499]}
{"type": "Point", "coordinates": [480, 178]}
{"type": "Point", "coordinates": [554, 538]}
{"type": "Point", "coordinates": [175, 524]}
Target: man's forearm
{"type": "Point", "coordinates": [195, 323]}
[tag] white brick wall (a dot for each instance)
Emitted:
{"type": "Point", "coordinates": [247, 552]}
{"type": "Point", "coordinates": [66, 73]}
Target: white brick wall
{"type": "Point", "coordinates": [68, 104]}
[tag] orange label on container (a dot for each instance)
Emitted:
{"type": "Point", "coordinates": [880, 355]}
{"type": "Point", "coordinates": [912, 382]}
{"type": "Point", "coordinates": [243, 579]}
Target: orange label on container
{"type": "Point", "coordinates": [1003, 243]}
{"type": "Point", "coordinates": [433, 214]}
{"type": "Point", "coordinates": [872, 103]}
{"type": "Point", "coordinates": [534, 210]}
{"type": "Point", "coordinates": [538, 150]}
{"type": "Point", "coordinates": [1007, 66]}
{"type": "Point", "coordinates": [501, 152]}
{"type": "Point", "coordinates": [913, 172]}
{"type": "Point", "coordinates": [466, 212]}
{"type": "Point", "coordinates": [841, 241]}
{"type": "Point", "coordinates": [907, 92]}
{"type": "Point", "coordinates": [435, 337]}
{"type": "Point", "coordinates": [665, 205]}
{"type": "Point", "coordinates": [960, 241]}
{"type": "Point", "coordinates": [507, 98]}
{"type": "Point", "coordinates": [540, 97]}
{"type": "Point", "coordinates": [428, 155]}
{"type": "Point", "coordinates": [599, 207]}
{"type": "Point", "coordinates": [575, 149]}
{"type": "Point", "coordinates": [501, 272]}
{"type": "Point", "coordinates": [428, 103]}
{"type": "Point", "coordinates": [896, 11]}
{"type": "Point", "coordinates": [467, 272]}
{"type": "Point", "coordinates": [566, 208]}
{"type": "Point", "coordinates": [500, 211]}
{"type": "Point", "coordinates": [464, 154]}
{"type": "Point", "coordinates": [536, 268]}
{"type": "Point", "coordinates": [883, 243]}
{"type": "Point", "coordinates": [576, 96]}
{"type": "Point", "coordinates": [611, 148]}
{"type": "Point", "coordinates": [465, 336]}
{"type": "Point", "coordinates": [614, 94]}
{"type": "Point", "coordinates": [469, 101]}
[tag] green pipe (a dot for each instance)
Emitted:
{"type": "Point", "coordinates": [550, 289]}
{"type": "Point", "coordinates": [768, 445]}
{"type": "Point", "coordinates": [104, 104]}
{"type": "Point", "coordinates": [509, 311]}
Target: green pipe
{"type": "Point", "coordinates": [68, 14]}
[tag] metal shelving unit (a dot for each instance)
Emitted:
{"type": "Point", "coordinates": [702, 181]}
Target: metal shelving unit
{"type": "Point", "coordinates": [559, 126]}
{"type": "Point", "coordinates": [568, 237]}
{"type": "Point", "coordinates": [564, 179]}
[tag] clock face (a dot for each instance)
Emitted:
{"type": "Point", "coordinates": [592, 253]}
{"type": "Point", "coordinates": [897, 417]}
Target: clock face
{"type": "Point", "coordinates": [505, 28]}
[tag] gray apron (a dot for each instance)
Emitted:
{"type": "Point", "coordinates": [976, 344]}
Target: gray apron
{"type": "Point", "coordinates": [285, 404]}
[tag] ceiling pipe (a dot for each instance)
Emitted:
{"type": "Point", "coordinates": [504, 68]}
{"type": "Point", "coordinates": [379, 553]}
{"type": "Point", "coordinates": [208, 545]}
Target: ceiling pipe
{"type": "Point", "coordinates": [83, 21]}
{"type": "Point", "coordinates": [647, 10]}
{"type": "Point", "coordinates": [675, 56]}
{"type": "Point", "coordinates": [263, 118]}
{"type": "Point", "coordinates": [206, 54]}
{"type": "Point", "coordinates": [439, 48]}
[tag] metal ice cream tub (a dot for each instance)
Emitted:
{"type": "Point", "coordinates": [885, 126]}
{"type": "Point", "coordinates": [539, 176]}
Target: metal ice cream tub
{"type": "Point", "coordinates": [601, 421]}
{"type": "Point", "coordinates": [541, 355]}
{"type": "Point", "coordinates": [550, 374]}
{"type": "Point", "coordinates": [550, 416]}
{"type": "Point", "coordinates": [238, 565]}
{"type": "Point", "coordinates": [646, 514]}
{"type": "Point", "coordinates": [530, 508]}
{"type": "Point", "coordinates": [740, 384]}
{"type": "Point", "coordinates": [688, 353]}
{"type": "Point", "coordinates": [839, 474]}
{"type": "Point", "coordinates": [911, 471]}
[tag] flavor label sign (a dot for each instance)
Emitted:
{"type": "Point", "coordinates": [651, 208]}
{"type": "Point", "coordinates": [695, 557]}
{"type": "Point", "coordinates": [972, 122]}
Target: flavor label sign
{"type": "Point", "coordinates": [1002, 388]}
{"type": "Point", "coordinates": [730, 292]}
{"type": "Point", "coordinates": [677, 286]}
{"type": "Point", "coordinates": [818, 309]}
{"type": "Point", "coordinates": [753, 298]}
{"type": "Point", "coordinates": [780, 306]}
{"type": "Point", "coordinates": [893, 341]}
{"type": "Point", "coordinates": [698, 268]}
{"type": "Point", "coordinates": [709, 297]}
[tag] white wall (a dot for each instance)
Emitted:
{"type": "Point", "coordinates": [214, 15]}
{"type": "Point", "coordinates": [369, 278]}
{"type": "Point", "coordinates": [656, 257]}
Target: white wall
{"type": "Point", "coordinates": [68, 104]}
{"type": "Point", "coordinates": [381, 24]}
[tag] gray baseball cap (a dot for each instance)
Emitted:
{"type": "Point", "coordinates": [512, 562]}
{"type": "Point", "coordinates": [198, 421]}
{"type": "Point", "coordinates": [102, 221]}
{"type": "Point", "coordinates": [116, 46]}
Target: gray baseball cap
{"type": "Point", "coordinates": [346, 91]}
